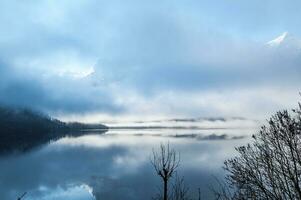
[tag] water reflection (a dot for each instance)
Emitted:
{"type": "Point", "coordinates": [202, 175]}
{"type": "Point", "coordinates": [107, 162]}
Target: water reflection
{"type": "Point", "coordinates": [114, 165]}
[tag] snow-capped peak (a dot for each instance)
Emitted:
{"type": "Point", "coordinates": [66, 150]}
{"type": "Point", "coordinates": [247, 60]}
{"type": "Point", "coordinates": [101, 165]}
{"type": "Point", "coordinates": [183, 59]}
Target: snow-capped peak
{"type": "Point", "coordinates": [277, 41]}
{"type": "Point", "coordinates": [286, 42]}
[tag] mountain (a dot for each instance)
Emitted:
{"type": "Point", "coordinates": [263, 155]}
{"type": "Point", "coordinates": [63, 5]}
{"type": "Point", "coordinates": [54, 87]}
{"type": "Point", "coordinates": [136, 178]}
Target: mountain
{"type": "Point", "coordinates": [285, 41]}
{"type": "Point", "coordinates": [279, 40]}
{"type": "Point", "coordinates": [23, 129]}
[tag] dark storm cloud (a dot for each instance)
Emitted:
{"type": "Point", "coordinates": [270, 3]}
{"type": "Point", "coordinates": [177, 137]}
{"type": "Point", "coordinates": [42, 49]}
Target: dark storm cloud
{"type": "Point", "coordinates": [57, 95]}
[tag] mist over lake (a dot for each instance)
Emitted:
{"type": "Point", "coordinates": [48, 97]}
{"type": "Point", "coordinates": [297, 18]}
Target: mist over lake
{"type": "Point", "coordinates": [148, 100]}
{"type": "Point", "coordinates": [116, 164]}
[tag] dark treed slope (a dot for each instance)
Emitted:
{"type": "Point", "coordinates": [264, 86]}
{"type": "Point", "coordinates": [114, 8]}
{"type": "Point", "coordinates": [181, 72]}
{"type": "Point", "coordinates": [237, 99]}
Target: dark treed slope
{"type": "Point", "coordinates": [23, 129]}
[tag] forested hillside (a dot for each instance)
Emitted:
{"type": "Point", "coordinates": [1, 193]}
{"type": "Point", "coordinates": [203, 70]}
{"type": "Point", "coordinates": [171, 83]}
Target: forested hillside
{"type": "Point", "coordinates": [22, 129]}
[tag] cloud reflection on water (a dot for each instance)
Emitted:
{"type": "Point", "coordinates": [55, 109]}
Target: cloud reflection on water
{"type": "Point", "coordinates": [114, 166]}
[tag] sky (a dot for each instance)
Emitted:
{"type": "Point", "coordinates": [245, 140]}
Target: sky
{"type": "Point", "coordinates": [94, 60]}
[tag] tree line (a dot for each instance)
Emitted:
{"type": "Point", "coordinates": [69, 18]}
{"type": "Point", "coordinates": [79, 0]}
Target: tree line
{"type": "Point", "coordinates": [22, 129]}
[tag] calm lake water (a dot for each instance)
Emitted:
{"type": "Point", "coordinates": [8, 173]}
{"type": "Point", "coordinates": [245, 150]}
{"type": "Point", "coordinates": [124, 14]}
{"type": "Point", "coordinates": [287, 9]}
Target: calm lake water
{"type": "Point", "coordinates": [115, 165]}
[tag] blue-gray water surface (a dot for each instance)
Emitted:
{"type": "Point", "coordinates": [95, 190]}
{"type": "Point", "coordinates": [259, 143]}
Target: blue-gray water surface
{"type": "Point", "coordinates": [116, 165]}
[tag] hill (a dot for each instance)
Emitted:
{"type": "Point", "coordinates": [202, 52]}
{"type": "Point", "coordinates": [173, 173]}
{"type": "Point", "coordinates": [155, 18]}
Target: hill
{"type": "Point", "coordinates": [23, 129]}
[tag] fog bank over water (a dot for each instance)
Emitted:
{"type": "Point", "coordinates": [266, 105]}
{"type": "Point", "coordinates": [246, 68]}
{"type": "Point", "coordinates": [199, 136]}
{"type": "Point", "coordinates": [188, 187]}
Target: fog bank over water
{"type": "Point", "coordinates": [203, 75]}
{"type": "Point", "coordinates": [116, 164]}
{"type": "Point", "coordinates": [188, 123]}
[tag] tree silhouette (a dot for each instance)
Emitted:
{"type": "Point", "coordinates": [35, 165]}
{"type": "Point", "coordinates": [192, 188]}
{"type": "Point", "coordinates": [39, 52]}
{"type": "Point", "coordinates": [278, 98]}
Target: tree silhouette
{"type": "Point", "coordinates": [270, 167]}
{"type": "Point", "coordinates": [165, 162]}
{"type": "Point", "coordinates": [22, 196]}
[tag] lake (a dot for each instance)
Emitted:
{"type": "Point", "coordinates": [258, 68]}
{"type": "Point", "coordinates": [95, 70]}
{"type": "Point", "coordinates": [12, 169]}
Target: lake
{"type": "Point", "coordinates": [116, 164]}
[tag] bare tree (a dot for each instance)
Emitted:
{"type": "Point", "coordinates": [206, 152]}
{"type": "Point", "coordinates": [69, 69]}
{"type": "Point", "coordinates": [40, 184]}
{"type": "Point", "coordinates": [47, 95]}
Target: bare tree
{"type": "Point", "coordinates": [270, 167]}
{"type": "Point", "coordinates": [165, 162]}
{"type": "Point", "coordinates": [199, 193]}
{"type": "Point", "coordinates": [21, 197]}
{"type": "Point", "coordinates": [222, 191]}
{"type": "Point", "coordinates": [179, 190]}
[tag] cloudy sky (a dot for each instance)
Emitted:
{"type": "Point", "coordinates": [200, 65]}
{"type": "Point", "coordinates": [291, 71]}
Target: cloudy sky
{"type": "Point", "coordinates": [94, 60]}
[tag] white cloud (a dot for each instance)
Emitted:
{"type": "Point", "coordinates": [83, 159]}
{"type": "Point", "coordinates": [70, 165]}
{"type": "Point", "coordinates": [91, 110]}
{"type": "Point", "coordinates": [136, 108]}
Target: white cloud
{"type": "Point", "coordinates": [135, 59]}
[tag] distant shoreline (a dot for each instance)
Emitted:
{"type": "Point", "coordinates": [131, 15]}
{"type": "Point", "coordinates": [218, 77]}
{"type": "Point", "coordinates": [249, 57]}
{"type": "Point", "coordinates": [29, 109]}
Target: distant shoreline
{"type": "Point", "coordinates": [175, 127]}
